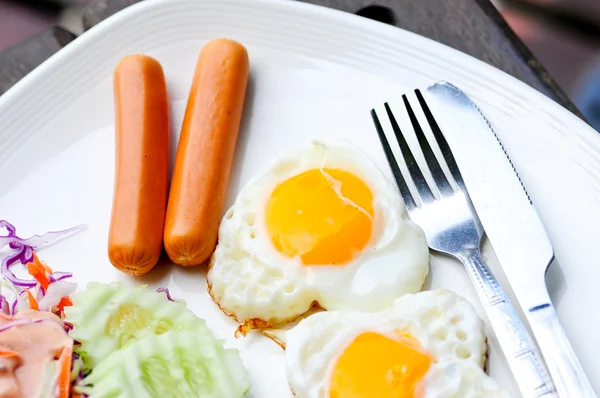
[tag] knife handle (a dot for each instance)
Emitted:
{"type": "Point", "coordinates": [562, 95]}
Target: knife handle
{"type": "Point", "coordinates": [566, 371]}
{"type": "Point", "coordinates": [518, 347]}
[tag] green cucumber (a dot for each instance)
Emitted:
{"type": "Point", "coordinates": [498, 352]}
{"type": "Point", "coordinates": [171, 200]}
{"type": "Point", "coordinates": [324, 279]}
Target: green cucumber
{"type": "Point", "coordinates": [107, 317]}
{"type": "Point", "coordinates": [175, 364]}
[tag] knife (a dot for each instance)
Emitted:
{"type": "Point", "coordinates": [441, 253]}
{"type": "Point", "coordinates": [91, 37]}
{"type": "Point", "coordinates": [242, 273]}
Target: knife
{"type": "Point", "coordinates": [513, 228]}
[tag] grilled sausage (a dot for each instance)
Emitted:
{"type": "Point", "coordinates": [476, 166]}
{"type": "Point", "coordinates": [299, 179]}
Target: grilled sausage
{"type": "Point", "coordinates": [205, 152]}
{"type": "Point", "coordinates": [141, 165]}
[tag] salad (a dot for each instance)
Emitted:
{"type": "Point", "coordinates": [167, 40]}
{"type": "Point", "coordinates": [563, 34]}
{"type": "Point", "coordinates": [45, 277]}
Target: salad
{"type": "Point", "coordinates": [109, 340]}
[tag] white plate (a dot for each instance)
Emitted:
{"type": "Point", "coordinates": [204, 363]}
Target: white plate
{"type": "Point", "coordinates": [315, 74]}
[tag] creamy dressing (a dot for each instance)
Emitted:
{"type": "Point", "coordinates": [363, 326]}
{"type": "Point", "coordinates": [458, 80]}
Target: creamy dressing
{"type": "Point", "coordinates": [26, 351]}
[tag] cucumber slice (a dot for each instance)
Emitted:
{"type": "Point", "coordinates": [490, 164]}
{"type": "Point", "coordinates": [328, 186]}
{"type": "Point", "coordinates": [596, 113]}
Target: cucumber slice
{"type": "Point", "coordinates": [107, 317]}
{"type": "Point", "coordinates": [176, 364]}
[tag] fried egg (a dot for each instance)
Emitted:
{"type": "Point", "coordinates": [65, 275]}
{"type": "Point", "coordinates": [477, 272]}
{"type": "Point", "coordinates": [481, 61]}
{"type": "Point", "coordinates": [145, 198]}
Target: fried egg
{"type": "Point", "coordinates": [429, 344]}
{"type": "Point", "coordinates": [320, 225]}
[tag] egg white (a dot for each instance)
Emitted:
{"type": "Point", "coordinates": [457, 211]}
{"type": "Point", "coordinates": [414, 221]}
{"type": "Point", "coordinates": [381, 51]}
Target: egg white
{"type": "Point", "coordinates": [250, 279]}
{"type": "Point", "coordinates": [444, 324]}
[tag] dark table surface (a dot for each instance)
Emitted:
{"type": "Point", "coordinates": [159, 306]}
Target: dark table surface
{"type": "Point", "coordinates": [472, 26]}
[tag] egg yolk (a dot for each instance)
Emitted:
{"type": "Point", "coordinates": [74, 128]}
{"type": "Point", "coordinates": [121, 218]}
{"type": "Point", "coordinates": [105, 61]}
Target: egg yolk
{"type": "Point", "coordinates": [324, 216]}
{"type": "Point", "coordinates": [374, 365]}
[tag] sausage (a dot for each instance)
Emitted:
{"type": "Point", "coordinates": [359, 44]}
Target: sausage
{"type": "Point", "coordinates": [205, 152]}
{"type": "Point", "coordinates": [141, 165]}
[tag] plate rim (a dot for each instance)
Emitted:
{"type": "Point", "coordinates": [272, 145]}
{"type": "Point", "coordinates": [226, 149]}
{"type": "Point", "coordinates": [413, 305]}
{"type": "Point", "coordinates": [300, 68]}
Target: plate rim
{"type": "Point", "coordinates": [88, 36]}
{"type": "Point", "coordinates": [569, 123]}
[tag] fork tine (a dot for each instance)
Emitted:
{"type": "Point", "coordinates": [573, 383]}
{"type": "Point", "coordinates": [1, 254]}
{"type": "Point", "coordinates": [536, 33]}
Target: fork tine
{"type": "Point", "coordinates": [442, 143]}
{"type": "Point", "coordinates": [434, 166]}
{"type": "Point", "coordinates": [409, 201]}
{"type": "Point", "coordinates": [413, 167]}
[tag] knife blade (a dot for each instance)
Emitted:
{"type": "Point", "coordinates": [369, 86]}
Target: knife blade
{"type": "Point", "coordinates": [512, 225]}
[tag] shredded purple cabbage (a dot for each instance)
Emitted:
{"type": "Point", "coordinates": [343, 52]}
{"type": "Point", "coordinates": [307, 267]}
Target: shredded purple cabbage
{"type": "Point", "coordinates": [166, 291]}
{"type": "Point", "coordinates": [24, 251]}
{"type": "Point", "coordinates": [10, 260]}
{"type": "Point", "coordinates": [34, 241]}
{"type": "Point", "coordinates": [13, 307]}
{"type": "Point", "coordinates": [59, 276]}
{"type": "Point", "coordinates": [9, 227]}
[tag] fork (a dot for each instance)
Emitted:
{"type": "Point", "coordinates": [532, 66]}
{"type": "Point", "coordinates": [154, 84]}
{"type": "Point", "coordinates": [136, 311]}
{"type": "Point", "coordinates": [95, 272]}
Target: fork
{"type": "Point", "coordinates": [452, 227]}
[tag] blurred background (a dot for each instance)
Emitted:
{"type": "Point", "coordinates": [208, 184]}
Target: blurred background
{"type": "Point", "coordinates": [563, 34]}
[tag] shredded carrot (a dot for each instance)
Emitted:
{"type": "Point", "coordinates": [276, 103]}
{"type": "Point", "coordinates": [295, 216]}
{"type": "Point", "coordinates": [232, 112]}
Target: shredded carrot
{"type": "Point", "coordinates": [48, 269]}
{"type": "Point", "coordinates": [64, 375]}
{"type": "Point", "coordinates": [38, 271]}
{"type": "Point", "coordinates": [9, 354]}
{"type": "Point", "coordinates": [32, 301]}
{"type": "Point", "coordinates": [37, 260]}
{"type": "Point", "coordinates": [64, 302]}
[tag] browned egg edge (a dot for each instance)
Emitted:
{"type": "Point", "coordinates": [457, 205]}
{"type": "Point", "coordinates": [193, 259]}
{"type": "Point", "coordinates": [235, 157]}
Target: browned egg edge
{"type": "Point", "coordinates": [262, 325]}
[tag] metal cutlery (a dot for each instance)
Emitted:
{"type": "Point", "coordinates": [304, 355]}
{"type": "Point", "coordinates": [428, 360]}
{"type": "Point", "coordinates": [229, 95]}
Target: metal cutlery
{"type": "Point", "coordinates": [451, 226]}
{"type": "Point", "coordinates": [513, 227]}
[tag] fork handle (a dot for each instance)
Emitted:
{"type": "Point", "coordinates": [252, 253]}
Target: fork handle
{"type": "Point", "coordinates": [518, 347]}
{"type": "Point", "coordinates": [565, 369]}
